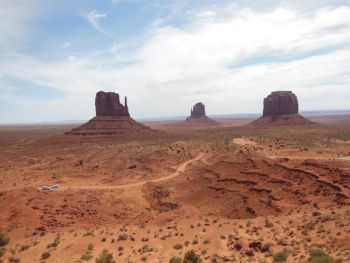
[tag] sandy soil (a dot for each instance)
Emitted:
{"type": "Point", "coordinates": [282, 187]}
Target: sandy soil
{"type": "Point", "coordinates": [232, 194]}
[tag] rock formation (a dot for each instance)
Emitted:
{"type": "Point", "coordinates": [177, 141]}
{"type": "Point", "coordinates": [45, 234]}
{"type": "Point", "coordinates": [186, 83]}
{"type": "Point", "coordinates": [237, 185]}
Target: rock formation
{"type": "Point", "coordinates": [198, 117]}
{"type": "Point", "coordinates": [198, 110]}
{"type": "Point", "coordinates": [281, 108]}
{"type": "Point", "coordinates": [112, 118]}
{"type": "Point", "coordinates": [280, 103]}
{"type": "Point", "coordinates": [108, 104]}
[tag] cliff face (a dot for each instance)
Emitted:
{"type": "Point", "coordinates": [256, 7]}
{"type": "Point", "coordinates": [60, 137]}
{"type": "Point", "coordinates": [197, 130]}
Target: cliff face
{"type": "Point", "coordinates": [198, 110]}
{"type": "Point", "coordinates": [198, 118]}
{"type": "Point", "coordinates": [112, 118]}
{"type": "Point", "coordinates": [108, 104]}
{"type": "Point", "coordinates": [281, 108]}
{"type": "Point", "coordinates": [280, 103]}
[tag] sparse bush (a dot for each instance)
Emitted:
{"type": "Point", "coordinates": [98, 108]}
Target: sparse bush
{"type": "Point", "coordinates": [90, 246]}
{"type": "Point", "coordinates": [55, 243]}
{"type": "Point", "coordinates": [105, 257]}
{"type": "Point", "coordinates": [87, 256]}
{"type": "Point", "coordinates": [23, 248]}
{"type": "Point", "coordinates": [89, 233]}
{"type": "Point", "coordinates": [122, 237]}
{"type": "Point", "coordinates": [268, 223]}
{"type": "Point", "coordinates": [191, 257]}
{"type": "Point", "coordinates": [319, 256]}
{"type": "Point", "coordinates": [178, 246]}
{"type": "Point", "coordinates": [2, 251]}
{"type": "Point", "coordinates": [45, 255]}
{"type": "Point", "coordinates": [4, 240]}
{"type": "Point", "coordinates": [14, 260]}
{"type": "Point", "coordinates": [280, 256]}
{"type": "Point", "coordinates": [175, 260]}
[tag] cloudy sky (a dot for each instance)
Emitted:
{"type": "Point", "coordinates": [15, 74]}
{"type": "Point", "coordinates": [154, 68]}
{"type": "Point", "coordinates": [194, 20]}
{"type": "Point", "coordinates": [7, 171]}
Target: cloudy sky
{"type": "Point", "coordinates": [165, 55]}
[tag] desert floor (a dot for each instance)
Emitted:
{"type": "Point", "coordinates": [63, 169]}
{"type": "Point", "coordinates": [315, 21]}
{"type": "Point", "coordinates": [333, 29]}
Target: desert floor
{"type": "Point", "coordinates": [232, 193]}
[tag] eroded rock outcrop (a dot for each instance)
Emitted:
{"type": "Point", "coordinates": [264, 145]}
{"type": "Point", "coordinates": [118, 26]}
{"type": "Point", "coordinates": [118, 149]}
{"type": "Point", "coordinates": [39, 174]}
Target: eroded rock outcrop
{"type": "Point", "coordinates": [198, 110]}
{"type": "Point", "coordinates": [108, 104]}
{"type": "Point", "coordinates": [198, 117]}
{"type": "Point", "coordinates": [280, 103]}
{"type": "Point", "coordinates": [112, 118]}
{"type": "Point", "coordinates": [281, 108]}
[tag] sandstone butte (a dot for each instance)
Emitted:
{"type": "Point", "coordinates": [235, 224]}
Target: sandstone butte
{"type": "Point", "coordinates": [112, 118]}
{"type": "Point", "coordinates": [281, 108]}
{"type": "Point", "coordinates": [198, 117]}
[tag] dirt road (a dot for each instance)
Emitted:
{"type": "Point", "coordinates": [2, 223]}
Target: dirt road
{"type": "Point", "coordinates": [179, 170]}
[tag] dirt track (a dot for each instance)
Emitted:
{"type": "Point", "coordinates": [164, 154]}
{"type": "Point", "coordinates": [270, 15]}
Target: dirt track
{"type": "Point", "coordinates": [180, 169]}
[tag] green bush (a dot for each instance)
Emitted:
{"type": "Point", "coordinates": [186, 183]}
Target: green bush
{"type": "Point", "coordinates": [175, 260]}
{"type": "Point", "coordinates": [319, 256]}
{"type": "Point", "coordinates": [105, 257]}
{"type": "Point", "coordinates": [55, 243]}
{"type": "Point", "coordinates": [191, 257]}
{"type": "Point", "coordinates": [87, 256]}
{"type": "Point", "coordinates": [178, 246]}
{"type": "Point", "coordinates": [122, 237]}
{"type": "Point", "coordinates": [280, 256]}
{"type": "Point", "coordinates": [4, 240]}
{"type": "Point", "coordinates": [45, 255]}
{"type": "Point", "coordinates": [2, 251]}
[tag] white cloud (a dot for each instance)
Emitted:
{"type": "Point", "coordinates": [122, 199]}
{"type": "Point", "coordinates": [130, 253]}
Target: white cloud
{"type": "Point", "coordinates": [230, 61]}
{"type": "Point", "coordinates": [94, 17]}
{"type": "Point", "coordinates": [15, 16]}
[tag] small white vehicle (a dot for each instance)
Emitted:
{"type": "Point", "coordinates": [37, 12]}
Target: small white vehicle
{"type": "Point", "coordinates": [55, 186]}
{"type": "Point", "coordinates": [46, 187]}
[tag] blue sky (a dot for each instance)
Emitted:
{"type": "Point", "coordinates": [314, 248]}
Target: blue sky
{"type": "Point", "coordinates": [165, 55]}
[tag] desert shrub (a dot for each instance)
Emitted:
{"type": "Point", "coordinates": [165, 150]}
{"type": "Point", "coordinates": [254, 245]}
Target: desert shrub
{"type": "Point", "coordinates": [23, 247]}
{"type": "Point", "coordinates": [55, 242]}
{"type": "Point", "coordinates": [268, 224]}
{"type": "Point", "coordinates": [14, 260]}
{"type": "Point", "coordinates": [87, 256]}
{"type": "Point", "coordinates": [2, 251]}
{"type": "Point", "coordinates": [45, 255]}
{"type": "Point", "coordinates": [105, 257]}
{"type": "Point", "coordinates": [191, 257]}
{"type": "Point", "coordinates": [178, 246]}
{"type": "Point", "coordinates": [122, 237]}
{"type": "Point", "coordinates": [90, 246]}
{"type": "Point", "coordinates": [4, 240]}
{"type": "Point", "coordinates": [319, 256]}
{"type": "Point", "coordinates": [280, 256]}
{"type": "Point", "coordinates": [175, 260]}
{"type": "Point", "coordinates": [89, 233]}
